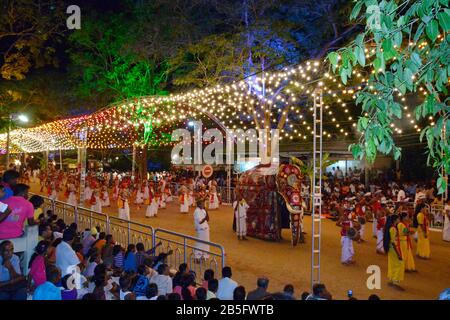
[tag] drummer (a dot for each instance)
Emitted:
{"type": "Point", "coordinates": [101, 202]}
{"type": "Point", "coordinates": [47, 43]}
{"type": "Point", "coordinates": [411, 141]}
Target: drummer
{"type": "Point", "coordinates": [361, 218]}
{"type": "Point", "coordinates": [347, 252]}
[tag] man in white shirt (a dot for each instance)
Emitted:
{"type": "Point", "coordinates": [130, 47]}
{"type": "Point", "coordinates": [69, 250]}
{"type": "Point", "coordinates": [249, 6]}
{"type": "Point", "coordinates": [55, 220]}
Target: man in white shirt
{"type": "Point", "coordinates": [401, 195]}
{"type": "Point", "coordinates": [201, 219]}
{"type": "Point", "coordinates": [163, 280]}
{"type": "Point", "coordinates": [339, 174]}
{"type": "Point", "coordinates": [226, 285]}
{"type": "Point", "coordinates": [66, 258]}
{"type": "Point", "coordinates": [240, 207]}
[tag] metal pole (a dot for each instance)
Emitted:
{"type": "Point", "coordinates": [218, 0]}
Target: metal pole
{"type": "Point", "coordinates": [317, 189]}
{"type": "Point", "coordinates": [60, 160]}
{"type": "Point", "coordinates": [8, 141]}
{"type": "Point", "coordinates": [184, 250]}
{"type": "Point", "coordinates": [133, 163]}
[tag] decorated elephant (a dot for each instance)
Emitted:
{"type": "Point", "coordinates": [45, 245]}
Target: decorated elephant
{"type": "Point", "coordinates": [273, 194]}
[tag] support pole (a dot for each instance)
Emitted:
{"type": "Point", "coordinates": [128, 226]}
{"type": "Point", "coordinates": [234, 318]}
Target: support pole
{"type": "Point", "coordinates": [60, 160]}
{"type": "Point", "coordinates": [46, 159]}
{"type": "Point", "coordinates": [82, 167]}
{"type": "Point", "coordinates": [8, 141]}
{"type": "Point", "coordinates": [133, 163]}
{"type": "Point", "coordinates": [317, 187]}
{"type": "Point", "coordinates": [229, 195]}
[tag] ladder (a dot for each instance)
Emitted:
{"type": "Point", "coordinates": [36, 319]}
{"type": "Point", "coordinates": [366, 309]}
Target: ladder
{"type": "Point", "coordinates": [317, 187]}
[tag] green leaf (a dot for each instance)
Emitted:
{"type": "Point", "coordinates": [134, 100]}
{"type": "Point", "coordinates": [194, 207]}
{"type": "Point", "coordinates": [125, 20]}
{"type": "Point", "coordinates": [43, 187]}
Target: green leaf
{"type": "Point", "coordinates": [362, 123]}
{"type": "Point", "coordinates": [441, 184]}
{"type": "Point", "coordinates": [360, 56]}
{"type": "Point", "coordinates": [397, 39]}
{"type": "Point", "coordinates": [388, 49]}
{"type": "Point", "coordinates": [432, 30]}
{"type": "Point", "coordinates": [356, 9]}
{"type": "Point", "coordinates": [397, 153]}
{"type": "Point", "coordinates": [396, 110]}
{"type": "Point", "coordinates": [378, 64]}
{"type": "Point", "coordinates": [333, 58]}
{"type": "Point", "coordinates": [444, 20]}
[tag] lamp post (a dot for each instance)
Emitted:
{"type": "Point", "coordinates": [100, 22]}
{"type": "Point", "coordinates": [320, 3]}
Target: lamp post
{"type": "Point", "coordinates": [12, 117]}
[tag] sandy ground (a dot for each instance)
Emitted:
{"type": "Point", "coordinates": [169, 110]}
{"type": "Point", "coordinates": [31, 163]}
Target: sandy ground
{"type": "Point", "coordinates": [285, 264]}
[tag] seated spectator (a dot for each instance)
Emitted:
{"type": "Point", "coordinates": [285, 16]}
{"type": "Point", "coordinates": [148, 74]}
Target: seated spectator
{"type": "Point", "coordinates": [100, 242]}
{"type": "Point", "coordinates": [200, 293]}
{"type": "Point", "coordinates": [289, 292]}
{"type": "Point", "coordinates": [37, 264]}
{"type": "Point", "coordinates": [78, 248]}
{"type": "Point", "coordinates": [142, 282]}
{"type": "Point", "coordinates": [213, 285]}
{"type": "Point", "coordinates": [88, 240]}
{"type": "Point", "coordinates": [319, 293]}
{"type": "Point", "coordinates": [51, 253]}
{"type": "Point", "coordinates": [49, 290]}
{"type": "Point", "coordinates": [21, 210]}
{"type": "Point", "coordinates": [110, 289]}
{"type": "Point", "coordinates": [68, 293]}
{"type": "Point", "coordinates": [93, 262]}
{"type": "Point", "coordinates": [66, 258]}
{"type": "Point", "coordinates": [226, 285]}
{"type": "Point", "coordinates": [107, 251]}
{"type": "Point", "coordinates": [208, 275]}
{"type": "Point", "coordinates": [141, 255]}
{"type": "Point", "coordinates": [4, 209]}
{"type": "Point", "coordinates": [100, 284]}
{"type": "Point", "coordinates": [73, 227]}
{"type": "Point", "coordinates": [37, 202]}
{"type": "Point", "coordinates": [186, 294]}
{"type": "Point", "coordinates": [239, 293]}
{"type": "Point", "coordinates": [125, 284]}
{"type": "Point", "coordinates": [261, 290]}
{"type": "Point", "coordinates": [89, 296]}
{"type": "Point", "coordinates": [163, 280]}
{"type": "Point", "coordinates": [9, 179]}
{"type": "Point", "coordinates": [13, 286]}
{"type": "Point", "coordinates": [374, 297]}
{"type": "Point", "coordinates": [188, 282]}
{"type": "Point", "coordinates": [45, 232]}
{"type": "Point", "coordinates": [170, 296]}
{"type": "Point", "coordinates": [182, 270]}
{"type": "Point", "coordinates": [151, 293]}
{"type": "Point", "coordinates": [129, 263]}
{"type": "Point", "coordinates": [118, 257]}
{"type": "Point", "coordinates": [60, 226]}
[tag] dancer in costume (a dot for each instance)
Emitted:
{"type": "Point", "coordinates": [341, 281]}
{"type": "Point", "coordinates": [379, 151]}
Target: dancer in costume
{"type": "Point", "coordinates": [105, 197]}
{"type": "Point", "coordinates": [404, 231]}
{"type": "Point", "coordinates": [347, 251]}
{"type": "Point", "coordinates": [122, 204]}
{"type": "Point", "coordinates": [213, 198]}
{"type": "Point", "coordinates": [184, 199]}
{"type": "Point", "coordinates": [152, 208]}
{"type": "Point", "coordinates": [96, 202]}
{"type": "Point", "coordinates": [396, 264]}
{"type": "Point", "coordinates": [423, 234]}
{"type": "Point", "coordinates": [72, 194]}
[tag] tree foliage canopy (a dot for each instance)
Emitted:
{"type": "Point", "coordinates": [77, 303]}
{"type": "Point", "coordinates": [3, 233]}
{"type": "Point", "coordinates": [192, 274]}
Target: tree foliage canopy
{"type": "Point", "coordinates": [406, 44]}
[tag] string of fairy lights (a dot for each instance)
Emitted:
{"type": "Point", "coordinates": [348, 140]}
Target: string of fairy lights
{"type": "Point", "coordinates": [271, 100]}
